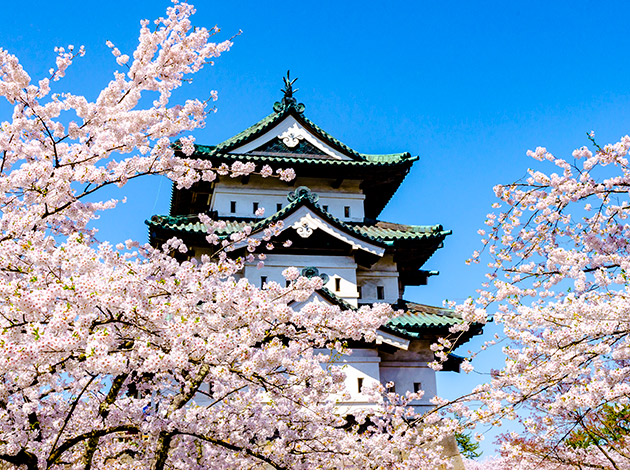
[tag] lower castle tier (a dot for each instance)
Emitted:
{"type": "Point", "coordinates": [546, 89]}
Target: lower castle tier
{"type": "Point", "coordinates": [329, 213]}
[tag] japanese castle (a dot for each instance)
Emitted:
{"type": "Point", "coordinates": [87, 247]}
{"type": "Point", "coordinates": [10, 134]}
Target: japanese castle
{"type": "Point", "coordinates": [330, 214]}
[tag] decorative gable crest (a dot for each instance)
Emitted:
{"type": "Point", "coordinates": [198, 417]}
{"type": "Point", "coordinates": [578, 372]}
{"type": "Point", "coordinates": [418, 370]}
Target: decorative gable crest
{"type": "Point", "coordinates": [303, 193]}
{"type": "Point", "coordinates": [292, 136]}
{"type": "Point", "coordinates": [310, 272]}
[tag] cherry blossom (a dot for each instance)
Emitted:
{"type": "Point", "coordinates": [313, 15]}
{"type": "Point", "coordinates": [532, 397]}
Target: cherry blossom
{"type": "Point", "coordinates": [129, 356]}
{"type": "Point", "coordinates": [559, 254]}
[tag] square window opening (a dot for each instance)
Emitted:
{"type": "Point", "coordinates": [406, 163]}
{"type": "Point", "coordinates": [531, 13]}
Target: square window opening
{"type": "Point", "coordinates": [417, 387]}
{"type": "Point", "coordinates": [346, 212]}
{"type": "Point", "coordinates": [255, 207]}
{"type": "Point", "coordinates": [380, 292]}
{"type": "Point", "coordinates": [359, 384]}
{"type": "Point", "coordinates": [232, 207]}
{"type": "Point", "coordinates": [337, 284]}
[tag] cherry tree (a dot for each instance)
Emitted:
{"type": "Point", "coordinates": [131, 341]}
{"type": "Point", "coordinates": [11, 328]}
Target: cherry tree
{"type": "Point", "coordinates": [125, 356]}
{"type": "Point", "coordinates": [559, 259]}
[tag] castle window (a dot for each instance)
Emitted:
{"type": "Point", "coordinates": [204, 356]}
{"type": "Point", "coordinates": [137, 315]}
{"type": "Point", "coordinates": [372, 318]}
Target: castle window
{"type": "Point", "coordinates": [359, 291]}
{"type": "Point", "coordinates": [263, 280]}
{"type": "Point", "coordinates": [278, 206]}
{"type": "Point", "coordinates": [380, 292]}
{"type": "Point", "coordinates": [417, 387]}
{"type": "Point", "coordinates": [232, 207]}
{"type": "Point", "coordinates": [325, 207]}
{"type": "Point", "coordinates": [391, 387]}
{"type": "Point", "coordinates": [337, 284]}
{"type": "Point", "coordinates": [346, 212]}
{"type": "Point", "coordinates": [255, 207]}
{"type": "Point", "coordinates": [359, 384]}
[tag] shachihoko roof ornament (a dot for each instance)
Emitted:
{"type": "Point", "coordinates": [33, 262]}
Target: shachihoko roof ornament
{"type": "Point", "coordinates": [288, 100]}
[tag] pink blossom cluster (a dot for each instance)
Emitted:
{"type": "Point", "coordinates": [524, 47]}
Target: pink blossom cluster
{"type": "Point", "coordinates": [124, 357]}
{"type": "Point", "coordinates": [559, 256]}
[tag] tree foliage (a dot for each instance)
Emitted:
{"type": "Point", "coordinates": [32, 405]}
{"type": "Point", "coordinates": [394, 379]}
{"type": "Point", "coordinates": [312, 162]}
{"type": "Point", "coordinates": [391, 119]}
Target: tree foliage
{"type": "Point", "coordinates": [468, 447]}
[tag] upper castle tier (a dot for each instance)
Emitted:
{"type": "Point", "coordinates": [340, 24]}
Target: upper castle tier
{"type": "Point", "coordinates": [329, 212]}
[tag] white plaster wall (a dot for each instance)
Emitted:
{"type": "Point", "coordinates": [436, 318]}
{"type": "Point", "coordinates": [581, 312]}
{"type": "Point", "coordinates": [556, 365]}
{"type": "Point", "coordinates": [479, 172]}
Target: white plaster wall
{"type": "Point", "coordinates": [362, 363]}
{"type": "Point", "coordinates": [404, 367]}
{"type": "Point", "coordinates": [405, 373]}
{"type": "Point", "coordinates": [271, 192]}
{"type": "Point", "coordinates": [341, 267]}
{"type": "Point", "coordinates": [373, 366]}
{"type": "Point", "coordinates": [369, 365]}
{"type": "Point", "coordinates": [385, 274]}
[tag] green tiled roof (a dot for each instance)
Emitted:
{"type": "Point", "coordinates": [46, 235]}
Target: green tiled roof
{"type": "Point", "coordinates": [417, 316]}
{"type": "Point", "coordinates": [415, 319]}
{"type": "Point", "coordinates": [392, 231]}
{"type": "Point", "coordinates": [379, 231]}
{"type": "Point", "coordinates": [223, 149]}
{"type": "Point", "coordinates": [254, 130]}
{"type": "Point", "coordinates": [418, 320]}
{"type": "Point", "coordinates": [191, 224]}
{"type": "Point", "coordinates": [367, 159]}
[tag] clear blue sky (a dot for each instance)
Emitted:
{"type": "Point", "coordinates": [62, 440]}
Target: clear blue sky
{"type": "Point", "coordinates": [467, 86]}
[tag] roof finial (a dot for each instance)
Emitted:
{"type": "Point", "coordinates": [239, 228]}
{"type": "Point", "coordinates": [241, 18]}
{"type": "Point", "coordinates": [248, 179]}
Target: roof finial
{"type": "Point", "coordinates": [288, 101]}
{"type": "Point", "coordinates": [288, 87]}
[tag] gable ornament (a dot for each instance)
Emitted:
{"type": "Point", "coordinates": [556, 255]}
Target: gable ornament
{"type": "Point", "coordinates": [310, 272]}
{"type": "Point", "coordinates": [303, 229]}
{"type": "Point", "coordinates": [292, 136]}
{"type": "Point", "coordinates": [303, 193]}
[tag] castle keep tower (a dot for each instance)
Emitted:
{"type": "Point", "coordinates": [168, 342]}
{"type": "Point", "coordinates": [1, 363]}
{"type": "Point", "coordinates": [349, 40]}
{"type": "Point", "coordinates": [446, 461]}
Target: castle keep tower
{"type": "Point", "coordinates": [330, 213]}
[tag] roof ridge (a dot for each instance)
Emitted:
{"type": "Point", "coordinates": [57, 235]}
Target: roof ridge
{"type": "Point", "coordinates": [256, 128]}
{"type": "Point", "coordinates": [327, 136]}
{"type": "Point", "coordinates": [344, 304]}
